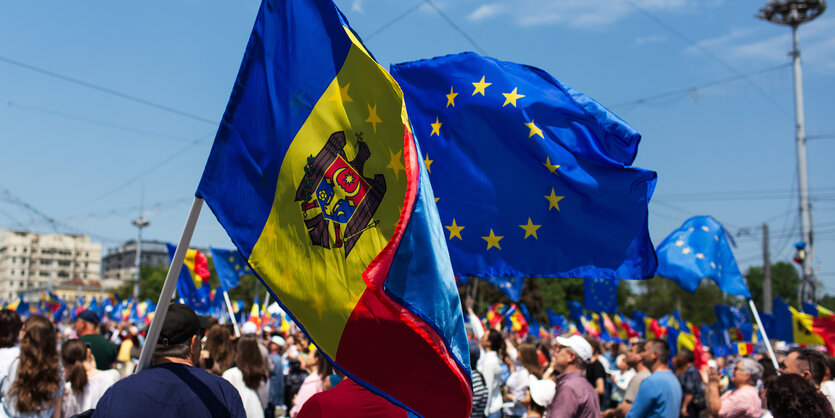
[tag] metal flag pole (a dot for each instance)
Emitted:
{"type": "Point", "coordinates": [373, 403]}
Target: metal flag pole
{"type": "Point", "coordinates": [169, 286]}
{"type": "Point", "coordinates": [231, 313]}
{"type": "Point", "coordinates": [762, 332]}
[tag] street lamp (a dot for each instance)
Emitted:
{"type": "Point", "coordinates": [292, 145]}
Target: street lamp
{"type": "Point", "coordinates": [795, 13]}
{"type": "Point", "coordinates": [139, 223]}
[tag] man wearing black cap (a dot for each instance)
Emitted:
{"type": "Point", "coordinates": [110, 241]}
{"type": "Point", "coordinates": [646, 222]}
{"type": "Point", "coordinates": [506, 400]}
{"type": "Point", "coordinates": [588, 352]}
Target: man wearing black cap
{"type": "Point", "coordinates": [173, 387]}
{"type": "Point", "coordinates": [87, 328]}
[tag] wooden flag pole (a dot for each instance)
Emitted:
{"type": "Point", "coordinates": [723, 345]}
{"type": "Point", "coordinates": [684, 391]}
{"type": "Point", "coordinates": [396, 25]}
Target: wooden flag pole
{"type": "Point", "coordinates": [169, 286]}
{"type": "Point", "coordinates": [762, 332]}
{"type": "Point", "coordinates": [231, 313]}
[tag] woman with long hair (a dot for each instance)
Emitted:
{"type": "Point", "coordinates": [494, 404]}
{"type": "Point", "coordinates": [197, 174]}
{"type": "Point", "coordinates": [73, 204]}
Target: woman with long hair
{"type": "Point", "coordinates": [220, 348]}
{"type": "Point", "coordinates": [35, 386]}
{"type": "Point", "coordinates": [249, 376]}
{"type": "Point", "coordinates": [85, 383]}
{"type": "Point", "coordinates": [320, 369]}
{"type": "Point", "coordinates": [527, 364]}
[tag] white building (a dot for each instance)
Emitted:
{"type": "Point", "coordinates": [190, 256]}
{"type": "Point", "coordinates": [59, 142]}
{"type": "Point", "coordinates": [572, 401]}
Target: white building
{"type": "Point", "coordinates": [32, 260]}
{"type": "Point", "coordinates": [119, 265]}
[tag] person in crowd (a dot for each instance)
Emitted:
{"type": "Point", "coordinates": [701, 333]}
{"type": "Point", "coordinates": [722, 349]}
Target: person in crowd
{"type": "Point", "coordinates": [692, 386]}
{"type": "Point", "coordinates": [85, 384]}
{"type": "Point", "coordinates": [10, 324]}
{"type": "Point", "coordinates": [249, 328]}
{"type": "Point", "coordinates": [276, 382]}
{"type": "Point", "coordinates": [828, 385]}
{"type": "Point", "coordinates": [86, 327]}
{"type": "Point", "coordinates": [574, 396]}
{"type": "Point", "coordinates": [519, 381]}
{"type": "Point", "coordinates": [293, 381]}
{"type": "Point", "coordinates": [621, 376]}
{"type": "Point", "coordinates": [35, 385]}
{"type": "Point", "coordinates": [249, 376]}
{"type": "Point", "coordinates": [659, 394]}
{"type": "Point", "coordinates": [221, 350]}
{"type": "Point", "coordinates": [596, 370]}
{"type": "Point", "coordinates": [173, 387]}
{"type": "Point", "coordinates": [129, 350]}
{"type": "Point", "coordinates": [479, 388]}
{"type": "Point", "coordinates": [791, 395]}
{"type": "Point", "coordinates": [319, 368]}
{"type": "Point", "coordinates": [539, 396]}
{"type": "Point", "coordinates": [349, 399]}
{"type": "Point", "coordinates": [633, 358]}
{"type": "Point", "coordinates": [805, 362]}
{"type": "Point", "coordinates": [491, 369]}
{"type": "Point", "coordinates": [741, 402]}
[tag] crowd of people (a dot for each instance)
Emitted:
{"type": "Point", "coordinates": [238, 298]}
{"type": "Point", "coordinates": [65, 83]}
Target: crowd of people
{"type": "Point", "coordinates": [85, 367]}
{"type": "Point", "coordinates": [580, 376]}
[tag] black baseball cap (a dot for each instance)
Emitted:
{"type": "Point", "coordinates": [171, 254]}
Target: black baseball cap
{"type": "Point", "coordinates": [181, 323]}
{"type": "Point", "coordinates": [89, 316]}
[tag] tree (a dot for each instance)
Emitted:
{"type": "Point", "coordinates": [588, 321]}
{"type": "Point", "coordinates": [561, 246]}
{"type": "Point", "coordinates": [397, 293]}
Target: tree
{"type": "Point", "coordinates": [785, 281]}
{"type": "Point", "coordinates": [660, 296]}
{"type": "Point", "coordinates": [151, 280]}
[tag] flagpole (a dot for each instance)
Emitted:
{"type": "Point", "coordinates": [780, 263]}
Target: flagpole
{"type": "Point", "coordinates": [762, 332]}
{"type": "Point", "coordinates": [231, 313]}
{"type": "Point", "coordinates": [169, 286]}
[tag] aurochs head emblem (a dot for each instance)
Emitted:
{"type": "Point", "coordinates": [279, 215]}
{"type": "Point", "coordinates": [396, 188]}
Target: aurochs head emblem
{"type": "Point", "coordinates": [334, 192]}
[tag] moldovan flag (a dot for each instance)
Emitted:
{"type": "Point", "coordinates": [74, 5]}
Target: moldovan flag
{"type": "Point", "coordinates": [316, 177]}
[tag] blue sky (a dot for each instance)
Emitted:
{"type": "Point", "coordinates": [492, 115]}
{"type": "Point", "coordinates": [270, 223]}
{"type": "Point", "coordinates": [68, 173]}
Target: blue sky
{"type": "Point", "coordinates": [706, 83]}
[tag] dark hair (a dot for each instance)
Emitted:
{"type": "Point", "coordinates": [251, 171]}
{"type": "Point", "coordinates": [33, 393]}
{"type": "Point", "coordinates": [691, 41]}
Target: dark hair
{"type": "Point", "coordinates": [527, 355]}
{"type": "Point", "coordinates": [815, 360]}
{"type": "Point", "coordinates": [790, 395]}
{"type": "Point", "coordinates": [496, 342]}
{"type": "Point", "coordinates": [768, 368]}
{"type": "Point", "coordinates": [830, 365]}
{"type": "Point", "coordinates": [73, 355]}
{"type": "Point", "coordinates": [687, 355]}
{"type": "Point", "coordinates": [661, 348]}
{"type": "Point", "coordinates": [220, 347]}
{"type": "Point", "coordinates": [9, 327]}
{"type": "Point", "coordinates": [474, 353]}
{"type": "Point", "coordinates": [250, 361]}
{"type": "Point", "coordinates": [594, 343]}
{"type": "Point", "coordinates": [323, 366]}
{"type": "Point", "coordinates": [37, 373]}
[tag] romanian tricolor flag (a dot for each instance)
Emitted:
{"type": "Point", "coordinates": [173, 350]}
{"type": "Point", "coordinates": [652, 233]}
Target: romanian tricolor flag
{"type": "Point", "coordinates": [193, 282]}
{"type": "Point", "coordinates": [255, 314]}
{"type": "Point", "coordinates": [316, 177]}
{"type": "Point", "coordinates": [494, 314]}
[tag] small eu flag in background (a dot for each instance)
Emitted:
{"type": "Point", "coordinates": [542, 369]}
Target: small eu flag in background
{"type": "Point", "coordinates": [531, 178]}
{"type": "Point", "coordinates": [230, 266]}
{"type": "Point", "coordinates": [699, 249]}
{"type": "Point", "coordinates": [600, 295]}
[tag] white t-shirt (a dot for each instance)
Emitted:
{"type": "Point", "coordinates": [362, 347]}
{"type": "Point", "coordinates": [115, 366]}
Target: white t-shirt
{"type": "Point", "coordinates": [828, 390]}
{"type": "Point", "coordinates": [254, 401]}
{"type": "Point", "coordinates": [491, 368]}
{"type": "Point", "coordinates": [74, 403]}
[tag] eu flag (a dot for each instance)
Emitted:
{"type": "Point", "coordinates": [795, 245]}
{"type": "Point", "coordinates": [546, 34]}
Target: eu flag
{"type": "Point", "coordinates": [316, 177]}
{"type": "Point", "coordinates": [230, 266]}
{"type": "Point", "coordinates": [532, 178]}
{"type": "Point", "coordinates": [600, 295]}
{"type": "Point", "coordinates": [699, 249]}
{"type": "Point", "coordinates": [511, 286]}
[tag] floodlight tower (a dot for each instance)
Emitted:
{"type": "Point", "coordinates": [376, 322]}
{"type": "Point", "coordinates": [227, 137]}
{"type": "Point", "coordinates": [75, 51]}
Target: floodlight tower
{"type": "Point", "coordinates": [795, 13]}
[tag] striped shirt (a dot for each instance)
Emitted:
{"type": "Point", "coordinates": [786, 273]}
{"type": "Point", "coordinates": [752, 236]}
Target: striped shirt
{"type": "Point", "coordinates": [479, 395]}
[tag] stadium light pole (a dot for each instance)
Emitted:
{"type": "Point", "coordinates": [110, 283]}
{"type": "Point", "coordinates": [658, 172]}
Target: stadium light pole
{"type": "Point", "coordinates": [795, 13]}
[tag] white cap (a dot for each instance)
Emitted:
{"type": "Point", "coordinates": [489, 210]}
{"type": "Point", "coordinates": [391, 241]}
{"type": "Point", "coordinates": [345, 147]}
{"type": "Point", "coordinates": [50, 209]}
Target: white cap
{"type": "Point", "coordinates": [249, 328]}
{"type": "Point", "coordinates": [579, 345]}
{"type": "Point", "coordinates": [542, 391]}
{"type": "Point", "coordinates": [278, 340]}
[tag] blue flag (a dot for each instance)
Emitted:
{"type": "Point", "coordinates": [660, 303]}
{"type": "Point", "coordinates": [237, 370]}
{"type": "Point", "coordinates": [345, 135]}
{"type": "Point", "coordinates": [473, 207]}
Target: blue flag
{"type": "Point", "coordinates": [810, 308]}
{"type": "Point", "coordinates": [230, 266]}
{"type": "Point", "coordinates": [640, 326]}
{"type": "Point", "coordinates": [511, 286]}
{"type": "Point", "coordinates": [575, 310]}
{"type": "Point", "coordinates": [532, 178]}
{"type": "Point", "coordinates": [556, 321]}
{"type": "Point", "coordinates": [783, 328]}
{"type": "Point", "coordinates": [197, 298]}
{"type": "Point", "coordinates": [730, 316]}
{"type": "Point", "coordinates": [600, 295]}
{"type": "Point", "coordinates": [699, 249]}
{"type": "Point", "coordinates": [682, 324]}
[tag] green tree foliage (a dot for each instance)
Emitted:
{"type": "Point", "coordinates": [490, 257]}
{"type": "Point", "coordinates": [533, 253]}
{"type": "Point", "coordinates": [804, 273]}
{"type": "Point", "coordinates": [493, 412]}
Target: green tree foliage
{"type": "Point", "coordinates": [151, 280]}
{"type": "Point", "coordinates": [785, 281]}
{"type": "Point", "coordinates": [660, 296]}
{"type": "Point", "coordinates": [828, 302]}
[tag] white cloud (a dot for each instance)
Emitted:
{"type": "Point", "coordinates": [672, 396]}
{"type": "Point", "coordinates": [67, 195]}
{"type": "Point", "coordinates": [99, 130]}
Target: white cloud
{"type": "Point", "coordinates": [486, 11]}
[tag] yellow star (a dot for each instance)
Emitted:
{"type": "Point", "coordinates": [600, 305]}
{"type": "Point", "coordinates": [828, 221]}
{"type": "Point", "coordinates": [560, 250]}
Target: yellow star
{"type": "Point", "coordinates": [554, 200]}
{"type": "Point", "coordinates": [685, 251]}
{"type": "Point", "coordinates": [700, 256]}
{"type": "Point", "coordinates": [428, 163]}
{"type": "Point", "coordinates": [705, 228]}
{"type": "Point", "coordinates": [436, 127]}
{"type": "Point", "coordinates": [534, 130]}
{"type": "Point", "coordinates": [341, 95]}
{"type": "Point", "coordinates": [716, 238]}
{"type": "Point", "coordinates": [530, 229]}
{"type": "Point", "coordinates": [679, 243]}
{"type": "Point", "coordinates": [372, 116]}
{"type": "Point", "coordinates": [454, 229]}
{"type": "Point", "coordinates": [480, 86]}
{"type": "Point", "coordinates": [551, 167]}
{"type": "Point", "coordinates": [395, 164]}
{"type": "Point", "coordinates": [510, 98]}
{"type": "Point", "coordinates": [318, 303]}
{"type": "Point", "coordinates": [437, 199]}
{"type": "Point", "coordinates": [712, 265]}
{"type": "Point", "coordinates": [450, 98]}
{"type": "Point", "coordinates": [492, 240]}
